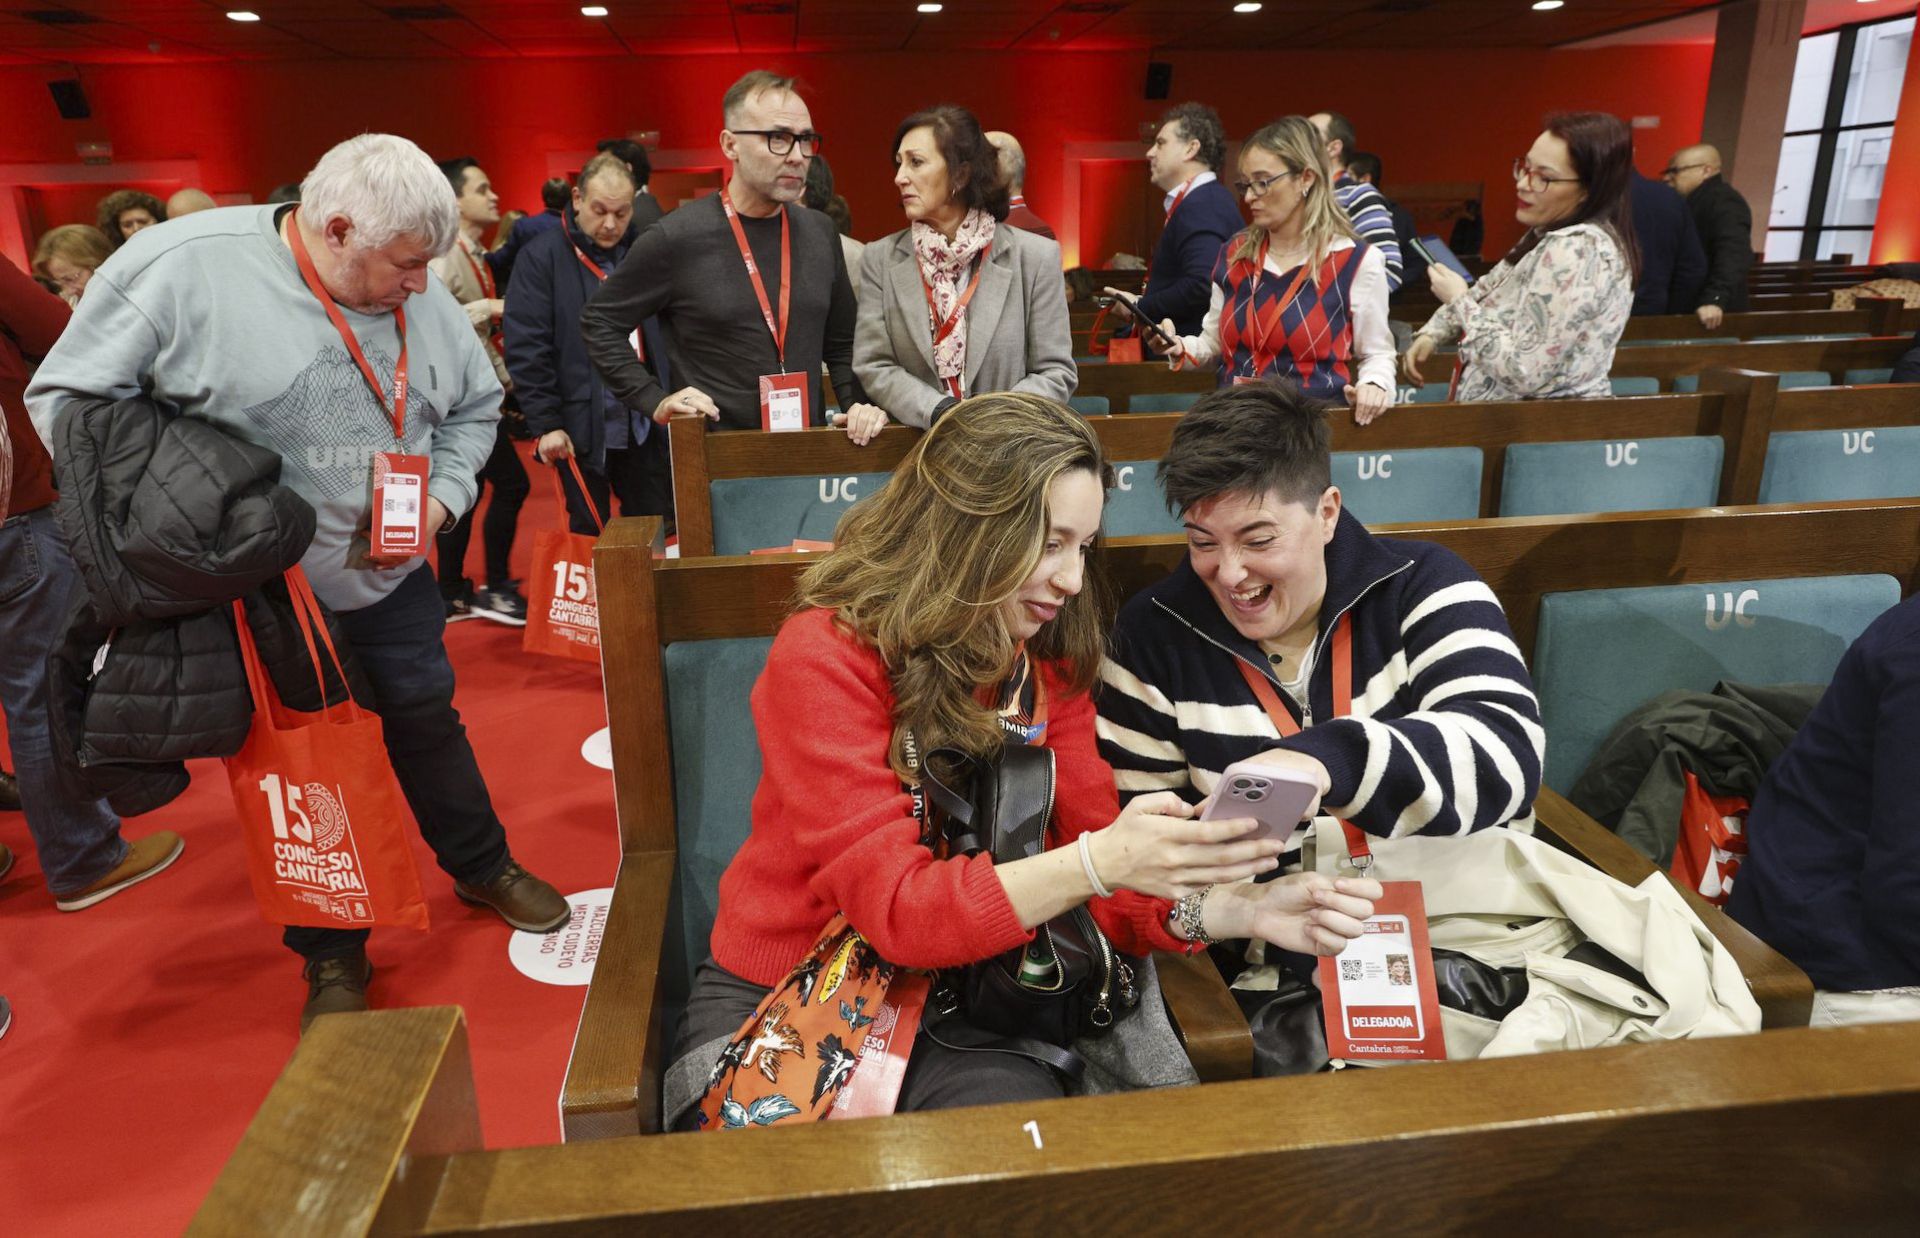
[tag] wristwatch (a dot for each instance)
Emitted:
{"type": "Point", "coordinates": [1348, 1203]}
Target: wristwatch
{"type": "Point", "coordinates": [1186, 913]}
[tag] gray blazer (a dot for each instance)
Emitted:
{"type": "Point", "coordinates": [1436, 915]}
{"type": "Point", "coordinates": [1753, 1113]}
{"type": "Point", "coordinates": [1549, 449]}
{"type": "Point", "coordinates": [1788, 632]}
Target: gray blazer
{"type": "Point", "coordinates": [1018, 338]}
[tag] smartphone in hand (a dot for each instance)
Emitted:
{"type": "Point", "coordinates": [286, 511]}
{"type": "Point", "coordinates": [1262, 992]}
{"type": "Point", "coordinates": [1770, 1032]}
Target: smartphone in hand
{"type": "Point", "coordinates": [1435, 251]}
{"type": "Point", "coordinates": [1150, 329]}
{"type": "Point", "coordinates": [1275, 798]}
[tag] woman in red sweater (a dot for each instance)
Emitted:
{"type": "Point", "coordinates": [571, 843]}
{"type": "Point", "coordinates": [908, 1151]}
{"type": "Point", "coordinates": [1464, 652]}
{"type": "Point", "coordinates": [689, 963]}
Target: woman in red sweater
{"type": "Point", "coordinates": [973, 559]}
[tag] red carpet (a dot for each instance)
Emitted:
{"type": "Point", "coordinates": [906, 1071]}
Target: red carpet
{"type": "Point", "coordinates": [148, 1028]}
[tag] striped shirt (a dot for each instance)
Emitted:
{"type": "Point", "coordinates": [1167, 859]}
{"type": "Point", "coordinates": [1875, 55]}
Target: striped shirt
{"type": "Point", "coordinates": [1444, 736]}
{"type": "Point", "coordinates": [1372, 218]}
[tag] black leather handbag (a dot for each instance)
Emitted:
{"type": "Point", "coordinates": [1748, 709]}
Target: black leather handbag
{"type": "Point", "coordinates": [1070, 982]}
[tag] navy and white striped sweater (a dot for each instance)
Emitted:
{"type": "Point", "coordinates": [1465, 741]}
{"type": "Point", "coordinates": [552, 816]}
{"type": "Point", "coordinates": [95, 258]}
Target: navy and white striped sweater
{"type": "Point", "coordinates": [1445, 734]}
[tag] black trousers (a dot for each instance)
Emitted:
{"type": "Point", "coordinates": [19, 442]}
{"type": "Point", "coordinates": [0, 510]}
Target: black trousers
{"type": "Point", "coordinates": [508, 477]}
{"type": "Point", "coordinates": [640, 477]}
{"type": "Point", "coordinates": [399, 643]}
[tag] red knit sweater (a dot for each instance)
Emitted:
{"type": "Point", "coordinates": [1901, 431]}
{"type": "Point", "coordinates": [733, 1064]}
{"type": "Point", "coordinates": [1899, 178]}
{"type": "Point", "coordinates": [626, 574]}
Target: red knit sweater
{"type": "Point", "coordinates": [834, 831]}
{"type": "Point", "coordinates": [31, 319]}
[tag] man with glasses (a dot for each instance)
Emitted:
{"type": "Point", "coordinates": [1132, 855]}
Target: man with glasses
{"type": "Point", "coordinates": [751, 286]}
{"type": "Point", "coordinates": [1725, 224]}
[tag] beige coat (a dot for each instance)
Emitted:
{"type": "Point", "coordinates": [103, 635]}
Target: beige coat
{"type": "Point", "coordinates": [456, 272]}
{"type": "Point", "coordinates": [1018, 338]}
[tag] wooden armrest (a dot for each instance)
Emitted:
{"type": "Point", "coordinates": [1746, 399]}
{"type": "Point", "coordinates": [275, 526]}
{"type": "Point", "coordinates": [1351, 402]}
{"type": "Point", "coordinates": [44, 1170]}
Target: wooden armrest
{"type": "Point", "coordinates": [1215, 1033]}
{"type": "Point", "coordinates": [1783, 990]}
{"type": "Point", "coordinates": [613, 1079]}
{"type": "Point", "coordinates": [356, 1133]}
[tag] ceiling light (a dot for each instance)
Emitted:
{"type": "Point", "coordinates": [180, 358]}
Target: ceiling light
{"type": "Point", "coordinates": [593, 10]}
{"type": "Point", "coordinates": [927, 8]}
{"type": "Point", "coordinates": [1543, 6]}
{"type": "Point", "coordinates": [1246, 8]}
{"type": "Point", "coordinates": [242, 15]}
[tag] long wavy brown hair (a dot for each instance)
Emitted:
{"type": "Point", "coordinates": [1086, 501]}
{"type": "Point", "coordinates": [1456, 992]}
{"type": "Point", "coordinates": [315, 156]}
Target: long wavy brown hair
{"type": "Point", "coordinates": [921, 569]}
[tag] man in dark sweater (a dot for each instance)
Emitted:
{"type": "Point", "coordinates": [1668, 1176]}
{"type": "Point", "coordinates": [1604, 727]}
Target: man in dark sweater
{"type": "Point", "coordinates": [1725, 224]}
{"type": "Point", "coordinates": [726, 317]}
{"type": "Point", "coordinates": [1832, 874]}
{"type": "Point", "coordinates": [1184, 162]}
{"type": "Point", "coordinates": [1672, 265]}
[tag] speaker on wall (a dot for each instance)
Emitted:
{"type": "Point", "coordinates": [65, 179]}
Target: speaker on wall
{"type": "Point", "coordinates": [70, 99]}
{"type": "Point", "coordinates": [1159, 79]}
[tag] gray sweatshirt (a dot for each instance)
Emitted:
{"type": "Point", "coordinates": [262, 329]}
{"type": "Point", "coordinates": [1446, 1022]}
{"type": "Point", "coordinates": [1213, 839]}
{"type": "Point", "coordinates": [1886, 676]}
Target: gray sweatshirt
{"type": "Point", "coordinates": [208, 315]}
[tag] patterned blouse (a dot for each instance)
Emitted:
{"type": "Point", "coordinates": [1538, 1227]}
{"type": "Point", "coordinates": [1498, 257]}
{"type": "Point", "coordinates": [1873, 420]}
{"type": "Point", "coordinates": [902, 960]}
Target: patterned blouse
{"type": "Point", "coordinates": [1543, 328]}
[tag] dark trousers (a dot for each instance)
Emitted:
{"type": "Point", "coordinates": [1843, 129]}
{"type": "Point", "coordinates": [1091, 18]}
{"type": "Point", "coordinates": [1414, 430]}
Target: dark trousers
{"type": "Point", "coordinates": [640, 477]}
{"type": "Point", "coordinates": [508, 477]}
{"type": "Point", "coordinates": [399, 643]}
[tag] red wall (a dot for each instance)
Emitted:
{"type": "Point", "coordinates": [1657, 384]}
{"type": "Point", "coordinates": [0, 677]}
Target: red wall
{"type": "Point", "coordinates": [1896, 236]}
{"type": "Point", "coordinates": [1432, 116]}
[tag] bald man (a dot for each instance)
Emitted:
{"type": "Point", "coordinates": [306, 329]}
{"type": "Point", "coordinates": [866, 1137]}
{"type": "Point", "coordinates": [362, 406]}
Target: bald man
{"type": "Point", "coordinates": [1725, 224]}
{"type": "Point", "coordinates": [189, 200]}
{"type": "Point", "coordinates": [1013, 166]}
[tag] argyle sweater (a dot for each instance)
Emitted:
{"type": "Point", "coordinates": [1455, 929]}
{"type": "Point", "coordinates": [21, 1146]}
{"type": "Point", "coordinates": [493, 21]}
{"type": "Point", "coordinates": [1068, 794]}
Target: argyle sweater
{"type": "Point", "coordinates": [1445, 735]}
{"type": "Point", "coordinates": [1307, 339]}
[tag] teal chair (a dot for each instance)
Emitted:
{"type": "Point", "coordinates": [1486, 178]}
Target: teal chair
{"type": "Point", "coordinates": [754, 513]}
{"type": "Point", "coordinates": [1818, 466]}
{"type": "Point", "coordinates": [1423, 483]}
{"type": "Point", "coordinates": [1088, 405]}
{"type": "Point", "coordinates": [716, 766]}
{"type": "Point", "coordinates": [1163, 402]}
{"type": "Point", "coordinates": [1634, 385]}
{"type": "Point", "coordinates": [1603, 652]}
{"type": "Point", "coordinates": [1686, 384]}
{"type": "Point", "coordinates": [1855, 378]}
{"type": "Point", "coordinates": [1647, 474]}
{"type": "Point", "coordinates": [1704, 339]}
{"type": "Point", "coordinates": [1135, 504]}
{"type": "Point", "coordinates": [1427, 393]}
{"type": "Point", "coordinates": [1805, 378]}
{"type": "Point", "coordinates": [1805, 339]}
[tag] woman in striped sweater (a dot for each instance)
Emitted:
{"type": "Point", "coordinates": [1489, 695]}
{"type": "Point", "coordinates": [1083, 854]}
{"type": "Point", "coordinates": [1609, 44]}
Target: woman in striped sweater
{"type": "Point", "coordinates": [1443, 735]}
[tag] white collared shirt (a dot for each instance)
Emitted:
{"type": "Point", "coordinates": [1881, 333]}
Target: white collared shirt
{"type": "Point", "coordinates": [1189, 187]}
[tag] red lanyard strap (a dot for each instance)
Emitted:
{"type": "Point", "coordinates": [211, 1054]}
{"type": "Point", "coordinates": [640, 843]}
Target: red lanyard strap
{"type": "Point", "coordinates": [941, 330]}
{"type": "Point", "coordinates": [639, 345]}
{"type": "Point", "coordinates": [312, 276]}
{"type": "Point", "coordinates": [1357, 845]}
{"type": "Point", "coordinates": [1262, 361]}
{"type": "Point", "coordinates": [779, 329]}
{"type": "Point", "coordinates": [480, 271]}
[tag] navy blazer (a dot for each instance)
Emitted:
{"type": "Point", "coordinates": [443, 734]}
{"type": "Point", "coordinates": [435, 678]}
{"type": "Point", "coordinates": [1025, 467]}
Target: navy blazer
{"type": "Point", "coordinates": [1673, 265]}
{"type": "Point", "coordinates": [1180, 285]}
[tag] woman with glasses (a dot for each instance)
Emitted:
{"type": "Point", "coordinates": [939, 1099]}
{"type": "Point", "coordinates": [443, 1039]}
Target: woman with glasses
{"type": "Point", "coordinates": [956, 303]}
{"type": "Point", "coordinates": [1544, 322]}
{"type": "Point", "coordinates": [67, 257]}
{"type": "Point", "coordinates": [1297, 294]}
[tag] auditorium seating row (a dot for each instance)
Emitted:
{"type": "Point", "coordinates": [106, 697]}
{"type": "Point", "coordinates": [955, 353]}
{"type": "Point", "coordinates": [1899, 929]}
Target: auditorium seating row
{"type": "Point", "coordinates": [1744, 440]}
{"type": "Point", "coordinates": [373, 1125]}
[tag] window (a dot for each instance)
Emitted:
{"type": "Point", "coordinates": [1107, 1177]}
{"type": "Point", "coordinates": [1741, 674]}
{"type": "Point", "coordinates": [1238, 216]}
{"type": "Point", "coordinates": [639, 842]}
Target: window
{"type": "Point", "coordinates": [1833, 159]}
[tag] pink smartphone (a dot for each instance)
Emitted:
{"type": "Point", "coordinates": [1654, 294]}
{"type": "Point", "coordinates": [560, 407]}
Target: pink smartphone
{"type": "Point", "coordinates": [1275, 798]}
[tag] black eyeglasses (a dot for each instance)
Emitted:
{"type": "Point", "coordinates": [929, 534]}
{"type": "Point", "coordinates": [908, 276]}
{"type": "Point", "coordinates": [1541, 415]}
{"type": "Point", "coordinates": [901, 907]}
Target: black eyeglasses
{"type": "Point", "coordinates": [1258, 188]}
{"type": "Point", "coordinates": [780, 141]}
{"type": "Point", "coordinates": [1535, 179]}
{"type": "Point", "coordinates": [1678, 168]}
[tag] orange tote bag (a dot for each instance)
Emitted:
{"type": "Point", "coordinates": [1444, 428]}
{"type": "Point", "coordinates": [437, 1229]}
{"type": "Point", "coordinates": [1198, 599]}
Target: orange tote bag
{"type": "Point", "coordinates": [563, 609]}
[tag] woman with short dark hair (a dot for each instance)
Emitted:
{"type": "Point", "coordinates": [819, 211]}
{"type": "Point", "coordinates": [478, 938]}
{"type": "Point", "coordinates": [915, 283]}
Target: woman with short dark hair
{"type": "Point", "coordinates": [1543, 323]}
{"type": "Point", "coordinates": [955, 304]}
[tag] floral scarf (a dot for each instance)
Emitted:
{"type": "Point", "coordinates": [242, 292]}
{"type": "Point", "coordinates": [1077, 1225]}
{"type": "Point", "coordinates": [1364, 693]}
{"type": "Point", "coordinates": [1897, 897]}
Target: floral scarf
{"type": "Point", "coordinates": [946, 267]}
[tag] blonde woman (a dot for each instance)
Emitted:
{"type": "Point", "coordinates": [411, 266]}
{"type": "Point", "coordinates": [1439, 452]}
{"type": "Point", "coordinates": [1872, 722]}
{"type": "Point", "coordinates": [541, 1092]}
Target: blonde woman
{"type": "Point", "coordinates": [68, 256]}
{"type": "Point", "coordinates": [1297, 294]}
{"type": "Point", "coordinates": [954, 609]}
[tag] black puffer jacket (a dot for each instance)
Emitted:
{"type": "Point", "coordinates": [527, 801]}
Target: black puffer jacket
{"type": "Point", "coordinates": [170, 521]}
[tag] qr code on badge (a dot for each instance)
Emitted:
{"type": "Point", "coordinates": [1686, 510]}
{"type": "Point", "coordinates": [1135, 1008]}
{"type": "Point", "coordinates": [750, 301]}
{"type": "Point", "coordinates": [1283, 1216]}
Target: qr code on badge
{"type": "Point", "coordinates": [1350, 969]}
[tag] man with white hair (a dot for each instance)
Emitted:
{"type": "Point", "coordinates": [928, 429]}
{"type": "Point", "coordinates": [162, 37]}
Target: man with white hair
{"type": "Point", "coordinates": [751, 286]}
{"type": "Point", "coordinates": [317, 331]}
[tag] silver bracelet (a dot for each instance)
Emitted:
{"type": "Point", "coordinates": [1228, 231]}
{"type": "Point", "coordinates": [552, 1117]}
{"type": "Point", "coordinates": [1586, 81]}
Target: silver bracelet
{"type": "Point", "coordinates": [1086, 865]}
{"type": "Point", "coordinates": [1186, 913]}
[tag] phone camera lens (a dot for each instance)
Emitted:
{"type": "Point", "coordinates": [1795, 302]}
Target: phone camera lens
{"type": "Point", "coordinates": [1241, 784]}
{"type": "Point", "coordinates": [1256, 794]}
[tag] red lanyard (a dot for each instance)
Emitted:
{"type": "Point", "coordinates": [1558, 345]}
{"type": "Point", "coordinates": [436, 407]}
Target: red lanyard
{"type": "Point", "coordinates": [480, 270]}
{"type": "Point", "coordinates": [639, 341]}
{"type": "Point", "coordinates": [779, 329]}
{"type": "Point", "coordinates": [1180, 195]}
{"type": "Point", "coordinates": [941, 330]}
{"type": "Point", "coordinates": [312, 276]}
{"type": "Point", "coordinates": [1357, 845]}
{"type": "Point", "coordinates": [1262, 361]}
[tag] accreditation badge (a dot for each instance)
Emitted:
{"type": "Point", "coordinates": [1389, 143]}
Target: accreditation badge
{"type": "Point", "coordinates": [399, 505]}
{"type": "Point", "coordinates": [1378, 995]}
{"type": "Point", "coordinates": [783, 402]}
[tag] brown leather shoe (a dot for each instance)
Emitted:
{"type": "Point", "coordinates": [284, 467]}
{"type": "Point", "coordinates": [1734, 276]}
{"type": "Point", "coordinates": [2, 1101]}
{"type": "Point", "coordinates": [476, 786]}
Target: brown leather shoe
{"type": "Point", "coordinates": [9, 792]}
{"type": "Point", "coordinates": [522, 899]}
{"type": "Point", "coordinates": [145, 858]}
{"type": "Point", "coordinates": [335, 986]}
